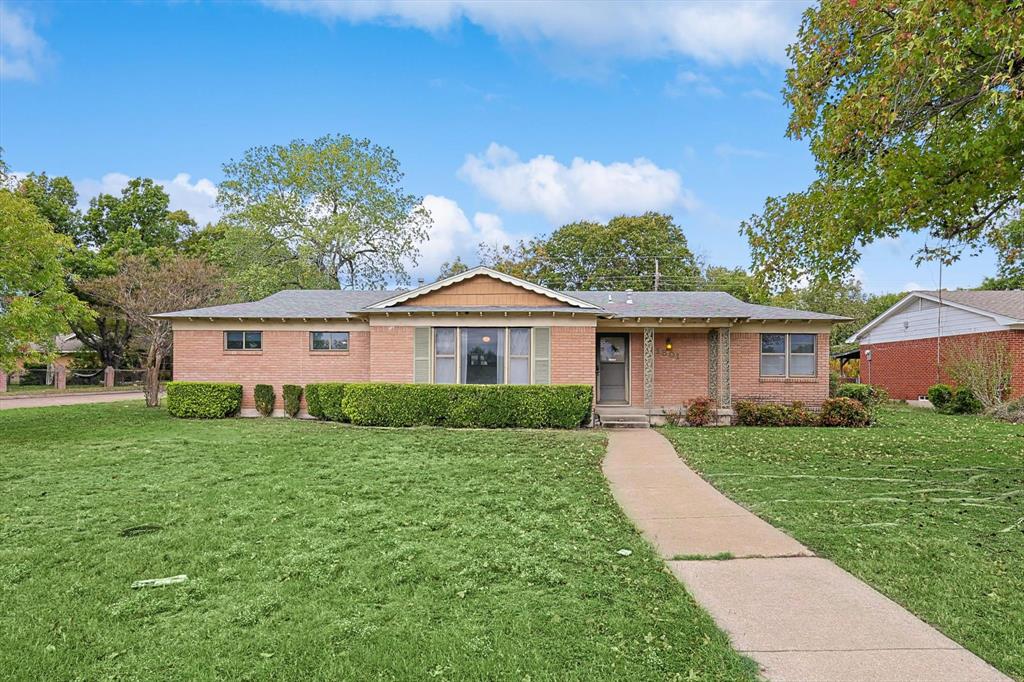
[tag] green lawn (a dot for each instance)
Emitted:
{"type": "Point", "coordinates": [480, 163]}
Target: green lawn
{"type": "Point", "coordinates": [927, 508]}
{"type": "Point", "coordinates": [316, 550]}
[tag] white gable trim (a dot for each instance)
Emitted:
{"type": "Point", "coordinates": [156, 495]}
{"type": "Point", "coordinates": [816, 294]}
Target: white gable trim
{"type": "Point", "coordinates": [914, 295]}
{"type": "Point", "coordinates": [481, 270]}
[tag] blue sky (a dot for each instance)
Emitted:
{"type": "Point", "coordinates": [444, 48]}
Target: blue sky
{"type": "Point", "coordinates": [509, 118]}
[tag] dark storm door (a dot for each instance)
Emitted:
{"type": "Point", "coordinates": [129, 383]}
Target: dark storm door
{"type": "Point", "coordinates": [613, 369]}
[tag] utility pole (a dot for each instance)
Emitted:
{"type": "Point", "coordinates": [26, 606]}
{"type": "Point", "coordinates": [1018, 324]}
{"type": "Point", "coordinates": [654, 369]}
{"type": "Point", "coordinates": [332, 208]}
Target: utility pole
{"type": "Point", "coordinates": [657, 275]}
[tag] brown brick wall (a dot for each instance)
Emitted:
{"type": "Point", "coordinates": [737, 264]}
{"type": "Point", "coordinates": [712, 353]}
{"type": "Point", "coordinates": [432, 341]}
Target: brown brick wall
{"type": "Point", "coordinates": [680, 375]}
{"type": "Point", "coordinates": [747, 383]}
{"type": "Point", "coordinates": [907, 368]}
{"type": "Point", "coordinates": [199, 355]}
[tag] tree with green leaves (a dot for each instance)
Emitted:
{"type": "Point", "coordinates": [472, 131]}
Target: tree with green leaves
{"type": "Point", "coordinates": [56, 199]}
{"type": "Point", "coordinates": [1010, 251]}
{"type": "Point", "coordinates": [915, 115]}
{"type": "Point", "coordinates": [628, 252]}
{"type": "Point", "coordinates": [35, 304]}
{"type": "Point", "coordinates": [337, 201]}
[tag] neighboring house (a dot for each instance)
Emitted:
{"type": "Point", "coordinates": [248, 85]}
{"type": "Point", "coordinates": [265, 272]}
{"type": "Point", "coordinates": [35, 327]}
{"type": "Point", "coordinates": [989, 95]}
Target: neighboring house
{"type": "Point", "coordinates": [643, 352]}
{"type": "Point", "coordinates": [901, 349]}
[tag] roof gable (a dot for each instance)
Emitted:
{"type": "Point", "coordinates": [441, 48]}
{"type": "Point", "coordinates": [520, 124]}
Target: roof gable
{"type": "Point", "coordinates": [483, 287]}
{"type": "Point", "coordinates": [950, 299]}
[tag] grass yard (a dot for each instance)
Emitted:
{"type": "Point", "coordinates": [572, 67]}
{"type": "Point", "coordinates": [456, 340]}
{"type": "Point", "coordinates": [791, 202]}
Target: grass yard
{"type": "Point", "coordinates": [316, 550]}
{"type": "Point", "coordinates": [927, 508]}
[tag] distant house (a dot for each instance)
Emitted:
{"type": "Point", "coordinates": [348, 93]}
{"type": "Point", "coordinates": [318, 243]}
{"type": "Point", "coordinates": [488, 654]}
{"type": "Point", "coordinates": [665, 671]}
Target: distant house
{"type": "Point", "coordinates": [642, 352]}
{"type": "Point", "coordinates": [901, 349]}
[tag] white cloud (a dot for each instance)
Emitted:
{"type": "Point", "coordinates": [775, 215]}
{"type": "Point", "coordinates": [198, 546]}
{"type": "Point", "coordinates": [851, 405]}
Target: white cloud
{"type": "Point", "coordinates": [452, 234]}
{"type": "Point", "coordinates": [581, 190]}
{"type": "Point", "coordinates": [686, 82]}
{"type": "Point", "coordinates": [757, 93]}
{"type": "Point", "coordinates": [22, 51]}
{"type": "Point", "coordinates": [715, 32]}
{"type": "Point", "coordinates": [198, 198]}
{"type": "Point", "coordinates": [729, 151]}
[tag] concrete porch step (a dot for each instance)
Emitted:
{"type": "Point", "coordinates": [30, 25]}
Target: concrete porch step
{"type": "Point", "coordinates": [624, 421]}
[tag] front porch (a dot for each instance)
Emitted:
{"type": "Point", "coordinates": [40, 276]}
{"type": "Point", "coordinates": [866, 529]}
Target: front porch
{"type": "Point", "coordinates": [644, 373]}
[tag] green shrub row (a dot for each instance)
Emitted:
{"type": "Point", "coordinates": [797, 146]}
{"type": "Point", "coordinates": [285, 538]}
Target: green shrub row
{"type": "Point", "coordinates": [457, 406]}
{"type": "Point", "coordinates": [960, 400]}
{"type": "Point", "coordinates": [866, 394]}
{"type": "Point", "coordinates": [203, 400]}
{"type": "Point", "coordinates": [772, 414]}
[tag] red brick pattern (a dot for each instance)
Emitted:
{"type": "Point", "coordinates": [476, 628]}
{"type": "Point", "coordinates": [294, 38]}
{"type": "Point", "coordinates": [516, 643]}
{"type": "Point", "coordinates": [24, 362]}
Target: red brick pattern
{"type": "Point", "coordinates": [573, 355]}
{"type": "Point", "coordinates": [907, 368]}
{"type": "Point", "coordinates": [391, 354]}
{"type": "Point", "coordinates": [747, 383]}
{"type": "Point", "coordinates": [680, 374]}
{"type": "Point", "coordinates": [199, 355]}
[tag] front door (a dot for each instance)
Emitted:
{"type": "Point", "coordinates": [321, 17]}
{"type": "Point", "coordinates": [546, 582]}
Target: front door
{"type": "Point", "coordinates": [613, 369]}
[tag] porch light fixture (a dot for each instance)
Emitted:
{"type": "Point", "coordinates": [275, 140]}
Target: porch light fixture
{"type": "Point", "coordinates": [668, 343]}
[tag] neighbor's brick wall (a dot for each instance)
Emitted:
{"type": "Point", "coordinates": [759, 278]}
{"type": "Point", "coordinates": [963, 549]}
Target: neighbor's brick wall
{"type": "Point", "coordinates": [199, 355]}
{"type": "Point", "coordinates": [391, 354]}
{"type": "Point", "coordinates": [747, 383]}
{"type": "Point", "coordinates": [907, 368]}
{"type": "Point", "coordinates": [573, 355]}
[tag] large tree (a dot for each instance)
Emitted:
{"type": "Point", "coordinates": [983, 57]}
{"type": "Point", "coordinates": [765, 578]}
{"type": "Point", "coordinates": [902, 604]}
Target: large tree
{"type": "Point", "coordinates": [337, 201]}
{"type": "Point", "coordinates": [915, 114]}
{"type": "Point", "coordinates": [629, 252]}
{"type": "Point", "coordinates": [141, 288]}
{"type": "Point", "coordinates": [35, 304]}
{"type": "Point", "coordinates": [1010, 249]}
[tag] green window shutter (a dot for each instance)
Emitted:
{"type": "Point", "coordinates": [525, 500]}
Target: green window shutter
{"type": "Point", "coordinates": [542, 355]}
{"type": "Point", "coordinates": [421, 355]}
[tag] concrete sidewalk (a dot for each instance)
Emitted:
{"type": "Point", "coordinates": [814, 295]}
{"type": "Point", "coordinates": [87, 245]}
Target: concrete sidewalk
{"type": "Point", "coordinates": [8, 402]}
{"type": "Point", "coordinates": [800, 617]}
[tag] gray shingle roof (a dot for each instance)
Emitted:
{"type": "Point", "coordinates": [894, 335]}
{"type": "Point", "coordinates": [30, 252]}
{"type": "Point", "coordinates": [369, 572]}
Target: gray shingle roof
{"type": "Point", "coordinates": [311, 303]}
{"type": "Point", "coordinates": [1007, 303]}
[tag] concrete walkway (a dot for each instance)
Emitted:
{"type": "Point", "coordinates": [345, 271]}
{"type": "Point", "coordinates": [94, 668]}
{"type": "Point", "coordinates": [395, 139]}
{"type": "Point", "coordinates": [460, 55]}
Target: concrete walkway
{"type": "Point", "coordinates": [800, 617]}
{"type": "Point", "coordinates": [8, 402]}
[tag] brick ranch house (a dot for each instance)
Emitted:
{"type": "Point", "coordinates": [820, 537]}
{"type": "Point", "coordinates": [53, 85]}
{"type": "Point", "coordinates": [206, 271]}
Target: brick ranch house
{"type": "Point", "coordinates": [901, 349]}
{"type": "Point", "coordinates": [643, 352]}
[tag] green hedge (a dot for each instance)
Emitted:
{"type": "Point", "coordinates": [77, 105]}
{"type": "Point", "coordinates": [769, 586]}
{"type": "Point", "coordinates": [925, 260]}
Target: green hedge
{"type": "Point", "coordinates": [263, 395]}
{"type": "Point", "coordinates": [203, 400]}
{"type": "Point", "coordinates": [292, 399]}
{"type": "Point", "coordinates": [866, 394]}
{"type": "Point", "coordinates": [461, 406]}
{"type": "Point", "coordinates": [324, 401]}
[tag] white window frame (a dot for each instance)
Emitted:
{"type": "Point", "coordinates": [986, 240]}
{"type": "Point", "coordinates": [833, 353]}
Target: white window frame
{"type": "Point", "coordinates": [458, 354]}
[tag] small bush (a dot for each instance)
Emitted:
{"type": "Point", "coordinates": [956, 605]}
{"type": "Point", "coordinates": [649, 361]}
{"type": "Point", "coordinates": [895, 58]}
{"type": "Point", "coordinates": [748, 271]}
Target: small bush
{"type": "Point", "coordinates": [462, 406]}
{"type": "Point", "coordinates": [292, 399]}
{"type": "Point", "coordinates": [798, 415]}
{"type": "Point", "coordinates": [844, 412]}
{"type": "Point", "coordinates": [965, 402]}
{"type": "Point", "coordinates": [323, 401]}
{"type": "Point", "coordinates": [745, 413]}
{"type": "Point", "coordinates": [203, 400]}
{"type": "Point", "coordinates": [867, 395]}
{"type": "Point", "coordinates": [835, 380]}
{"type": "Point", "coordinates": [701, 412]}
{"type": "Point", "coordinates": [940, 396]}
{"type": "Point", "coordinates": [265, 399]}
{"type": "Point", "coordinates": [313, 406]}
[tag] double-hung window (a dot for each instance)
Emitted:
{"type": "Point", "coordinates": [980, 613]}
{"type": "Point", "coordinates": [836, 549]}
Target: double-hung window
{"type": "Point", "coordinates": [337, 341]}
{"type": "Point", "coordinates": [788, 355]}
{"type": "Point", "coordinates": [444, 355]}
{"type": "Point", "coordinates": [519, 355]}
{"type": "Point", "coordinates": [482, 355]}
{"type": "Point", "coordinates": [243, 340]}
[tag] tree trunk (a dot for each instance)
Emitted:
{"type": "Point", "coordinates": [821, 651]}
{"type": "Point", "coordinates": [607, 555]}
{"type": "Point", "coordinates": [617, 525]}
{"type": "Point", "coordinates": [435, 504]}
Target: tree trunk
{"type": "Point", "coordinates": [151, 387]}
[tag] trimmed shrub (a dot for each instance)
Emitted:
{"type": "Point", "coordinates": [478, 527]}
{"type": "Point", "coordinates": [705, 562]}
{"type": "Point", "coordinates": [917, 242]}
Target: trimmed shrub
{"type": "Point", "coordinates": [844, 412]}
{"type": "Point", "coordinates": [940, 396]}
{"type": "Point", "coordinates": [292, 399]}
{"type": "Point", "coordinates": [265, 399]}
{"type": "Point", "coordinates": [745, 413]}
{"type": "Point", "coordinates": [464, 406]}
{"type": "Point", "coordinates": [313, 406]}
{"type": "Point", "coordinates": [701, 412]}
{"type": "Point", "coordinates": [203, 400]}
{"type": "Point", "coordinates": [964, 402]}
{"type": "Point", "coordinates": [867, 395]}
{"type": "Point", "coordinates": [798, 415]}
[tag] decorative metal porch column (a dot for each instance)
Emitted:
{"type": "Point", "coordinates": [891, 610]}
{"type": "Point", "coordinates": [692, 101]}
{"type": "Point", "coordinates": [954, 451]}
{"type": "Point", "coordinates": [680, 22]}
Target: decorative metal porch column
{"type": "Point", "coordinates": [648, 368]}
{"type": "Point", "coordinates": [720, 366]}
